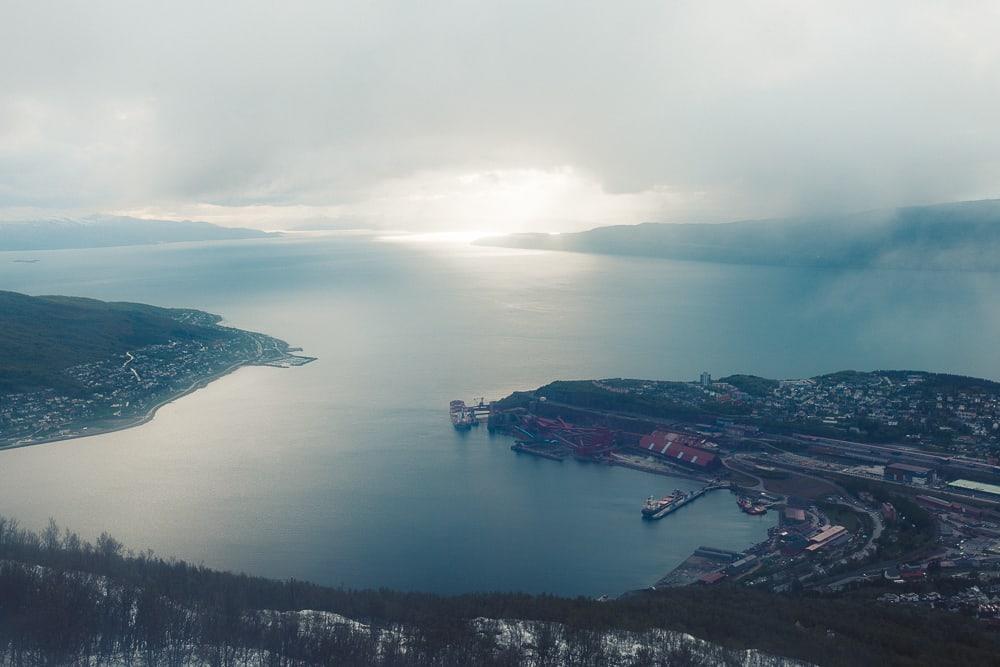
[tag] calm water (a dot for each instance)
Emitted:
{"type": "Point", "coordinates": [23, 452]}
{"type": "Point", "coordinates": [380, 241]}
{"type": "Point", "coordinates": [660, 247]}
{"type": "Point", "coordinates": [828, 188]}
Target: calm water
{"type": "Point", "coordinates": [347, 471]}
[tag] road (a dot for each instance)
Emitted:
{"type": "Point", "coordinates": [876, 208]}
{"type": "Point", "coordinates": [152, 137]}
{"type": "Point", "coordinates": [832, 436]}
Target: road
{"type": "Point", "coordinates": [759, 486]}
{"type": "Point", "coordinates": [129, 359]}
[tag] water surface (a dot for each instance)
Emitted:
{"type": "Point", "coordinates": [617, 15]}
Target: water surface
{"type": "Point", "coordinates": [347, 471]}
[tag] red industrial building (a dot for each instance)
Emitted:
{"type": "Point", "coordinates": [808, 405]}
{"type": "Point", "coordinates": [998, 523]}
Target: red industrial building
{"type": "Point", "coordinates": [794, 515]}
{"type": "Point", "coordinates": [680, 448]}
{"type": "Point", "coordinates": [711, 578]}
{"type": "Point", "coordinates": [584, 442]}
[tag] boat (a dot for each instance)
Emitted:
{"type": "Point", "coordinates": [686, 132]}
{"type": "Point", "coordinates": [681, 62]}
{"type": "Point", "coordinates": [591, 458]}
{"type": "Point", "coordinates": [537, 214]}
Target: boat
{"type": "Point", "coordinates": [749, 507]}
{"type": "Point", "coordinates": [462, 418]}
{"type": "Point", "coordinates": [652, 506]}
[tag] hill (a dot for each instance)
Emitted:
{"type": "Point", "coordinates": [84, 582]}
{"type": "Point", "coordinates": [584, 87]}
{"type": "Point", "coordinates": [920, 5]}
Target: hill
{"type": "Point", "coordinates": [109, 231]}
{"type": "Point", "coordinates": [935, 411]}
{"type": "Point", "coordinates": [959, 236]}
{"type": "Point", "coordinates": [65, 601]}
{"type": "Point", "coordinates": [42, 336]}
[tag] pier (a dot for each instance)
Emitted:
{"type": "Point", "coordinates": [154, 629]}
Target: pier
{"type": "Point", "coordinates": [481, 410]}
{"type": "Point", "coordinates": [534, 451]}
{"type": "Point", "coordinates": [673, 507]}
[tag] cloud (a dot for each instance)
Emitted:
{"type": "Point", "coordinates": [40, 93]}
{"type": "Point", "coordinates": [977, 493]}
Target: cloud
{"type": "Point", "coordinates": [415, 115]}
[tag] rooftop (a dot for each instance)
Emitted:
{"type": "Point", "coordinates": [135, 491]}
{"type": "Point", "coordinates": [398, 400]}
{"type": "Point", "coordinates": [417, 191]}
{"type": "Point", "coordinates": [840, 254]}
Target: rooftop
{"type": "Point", "coordinates": [969, 485]}
{"type": "Point", "coordinates": [827, 534]}
{"type": "Point", "coordinates": [917, 470]}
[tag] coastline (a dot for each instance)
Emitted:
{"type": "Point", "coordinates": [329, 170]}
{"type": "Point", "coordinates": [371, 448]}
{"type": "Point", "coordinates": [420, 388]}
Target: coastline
{"type": "Point", "coordinates": [662, 472]}
{"type": "Point", "coordinates": [142, 419]}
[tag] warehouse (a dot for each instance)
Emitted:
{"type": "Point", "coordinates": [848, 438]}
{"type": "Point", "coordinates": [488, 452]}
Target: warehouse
{"type": "Point", "coordinates": [829, 537]}
{"type": "Point", "coordinates": [680, 448]}
{"type": "Point", "coordinates": [977, 488]}
{"type": "Point", "coordinates": [903, 472]}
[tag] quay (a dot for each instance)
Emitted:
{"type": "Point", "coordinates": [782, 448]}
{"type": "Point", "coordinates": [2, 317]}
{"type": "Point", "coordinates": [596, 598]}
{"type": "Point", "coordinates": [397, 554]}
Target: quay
{"type": "Point", "coordinates": [673, 507]}
{"type": "Point", "coordinates": [534, 451]}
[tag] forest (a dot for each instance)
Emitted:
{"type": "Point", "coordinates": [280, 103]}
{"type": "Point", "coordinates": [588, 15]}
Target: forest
{"type": "Point", "coordinates": [41, 336]}
{"type": "Point", "coordinates": [64, 600]}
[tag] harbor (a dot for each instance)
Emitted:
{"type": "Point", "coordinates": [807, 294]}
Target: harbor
{"type": "Point", "coordinates": [464, 417]}
{"type": "Point", "coordinates": [655, 510]}
{"type": "Point", "coordinates": [544, 430]}
{"type": "Point", "coordinates": [665, 451]}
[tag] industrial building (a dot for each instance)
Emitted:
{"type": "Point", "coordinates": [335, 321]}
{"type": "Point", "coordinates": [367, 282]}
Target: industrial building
{"type": "Point", "coordinates": [717, 554]}
{"type": "Point", "coordinates": [711, 578]}
{"type": "Point", "coordinates": [793, 515]}
{"type": "Point", "coordinates": [903, 472]}
{"type": "Point", "coordinates": [742, 565]}
{"type": "Point", "coordinates": [977, 488]}
{"type": "Point", "coordinates": [680, 448]}
{"type": "Point", "coordinates": [829, 537]}
{"type": "Point", "coordinates": [792, 543]}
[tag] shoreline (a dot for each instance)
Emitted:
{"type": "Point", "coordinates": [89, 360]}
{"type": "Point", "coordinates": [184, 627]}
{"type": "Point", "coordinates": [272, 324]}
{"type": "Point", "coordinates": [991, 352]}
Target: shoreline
{"type": "Point", "coordinates": [672, 472]}
{"type": "Point", "coordinates": [140, 420]}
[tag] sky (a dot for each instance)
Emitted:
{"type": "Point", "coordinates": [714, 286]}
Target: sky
{"type": "Point", "coordinates": [494, 116]}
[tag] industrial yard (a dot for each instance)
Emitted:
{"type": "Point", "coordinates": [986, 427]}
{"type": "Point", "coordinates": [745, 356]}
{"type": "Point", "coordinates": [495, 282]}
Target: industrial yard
{"type": "Point", "coordinates": [851, 513]}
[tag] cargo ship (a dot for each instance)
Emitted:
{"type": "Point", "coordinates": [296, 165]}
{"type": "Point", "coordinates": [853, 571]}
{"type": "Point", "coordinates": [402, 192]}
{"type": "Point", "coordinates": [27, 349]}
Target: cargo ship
{"type": "Point", "coordinates": [462, 418]}
{"type": "Point", "coordinates": [652, 506]}
{"type": "Point", "coordinates": [747, 506]}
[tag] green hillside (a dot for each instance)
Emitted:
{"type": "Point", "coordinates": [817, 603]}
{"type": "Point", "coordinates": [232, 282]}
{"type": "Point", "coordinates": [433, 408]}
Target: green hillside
{"type": "Point", "coordinates": [41, 336]}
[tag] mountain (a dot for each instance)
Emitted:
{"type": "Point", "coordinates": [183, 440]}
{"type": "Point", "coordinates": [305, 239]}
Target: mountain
{"type": "Point", "coordinates": [108, 231]}
{"type": "Point", "coordinates": [959, 236]}
{"type": "Point", "coordinates": [42, 336]}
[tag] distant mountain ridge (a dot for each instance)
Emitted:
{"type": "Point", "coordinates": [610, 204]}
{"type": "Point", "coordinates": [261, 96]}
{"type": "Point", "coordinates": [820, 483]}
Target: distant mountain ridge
{"type": "Point", "coordinates": [959, 236]}
{"type": "Point", "coordinates": [111, 231]}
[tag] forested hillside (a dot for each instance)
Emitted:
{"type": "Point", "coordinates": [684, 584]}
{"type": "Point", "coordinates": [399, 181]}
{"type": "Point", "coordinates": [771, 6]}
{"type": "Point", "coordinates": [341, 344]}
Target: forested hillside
{"type": "Point", "coordinates": [41, 336]}
{"type": "Point", "coordinates": [63, 601]}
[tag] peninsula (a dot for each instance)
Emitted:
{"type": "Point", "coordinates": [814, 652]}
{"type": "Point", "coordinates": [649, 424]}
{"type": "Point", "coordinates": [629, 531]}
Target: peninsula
{"type": "Point", "coordinates": [962, 236]}
{"type": "Point", "coordinates": [107, 231]}
{"type": "Point", "coordinates": [71, 367]}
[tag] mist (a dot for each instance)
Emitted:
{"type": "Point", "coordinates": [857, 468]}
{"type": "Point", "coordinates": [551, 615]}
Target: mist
{"type": "Point", "coordinates": [519, 116]}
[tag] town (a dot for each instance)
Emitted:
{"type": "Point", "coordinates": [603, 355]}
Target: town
{"type": "Point", "coordinates": [945, 413]}
{"type": "Point", "coordinates": [884, 479]}
{"type": "Point", "coordinates": [124, 391]}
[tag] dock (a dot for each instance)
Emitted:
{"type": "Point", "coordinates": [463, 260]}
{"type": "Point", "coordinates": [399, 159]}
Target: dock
{"type": "Point", "coordinates": [705, 565]}
{"type": "Point", "coordinates": [534, 451]}
{"type": "Point", "coordinates": [691, 497]}
{"type": "Point", "coordinates": [481, 410]}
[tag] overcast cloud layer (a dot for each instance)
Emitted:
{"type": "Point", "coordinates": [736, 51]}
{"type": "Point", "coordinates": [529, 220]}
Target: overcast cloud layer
{"type": "Point", "coordinates": [499, 116]}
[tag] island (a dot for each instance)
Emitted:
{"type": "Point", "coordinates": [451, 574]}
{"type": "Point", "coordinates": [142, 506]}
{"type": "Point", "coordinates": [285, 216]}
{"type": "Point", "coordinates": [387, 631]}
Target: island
{"type": "Point", "coordinates": [72, 367]}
